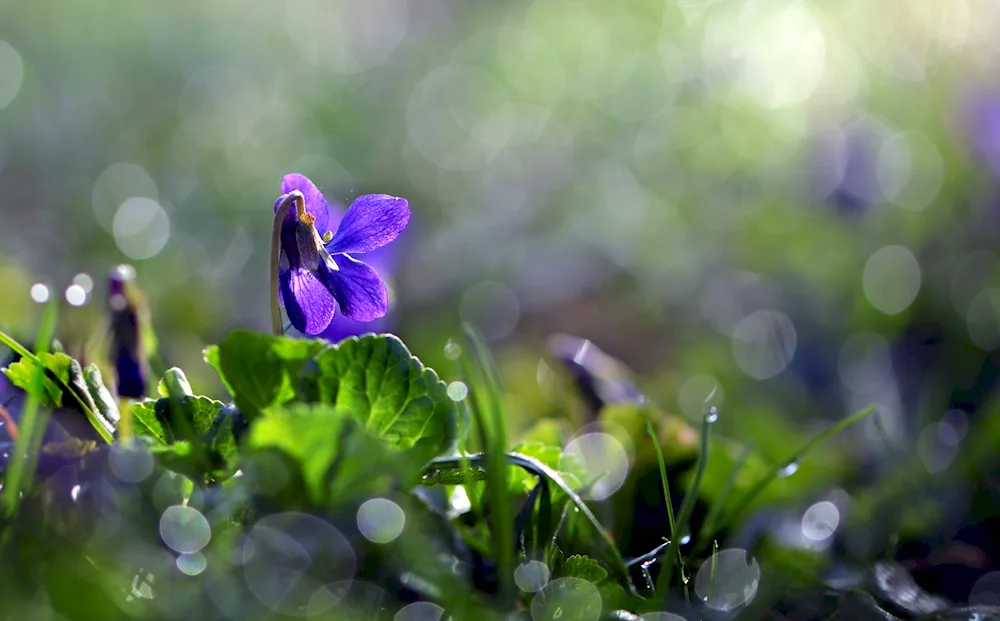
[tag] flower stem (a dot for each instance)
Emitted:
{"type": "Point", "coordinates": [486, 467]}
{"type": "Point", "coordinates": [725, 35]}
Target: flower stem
{"type": "Point", "coordinates": [125, 420]}
{"type": "Point", "coordinates": [292, 198]}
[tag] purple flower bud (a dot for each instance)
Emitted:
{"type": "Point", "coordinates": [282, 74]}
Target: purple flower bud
{"type": "Point", "coordinates": [126, 332]}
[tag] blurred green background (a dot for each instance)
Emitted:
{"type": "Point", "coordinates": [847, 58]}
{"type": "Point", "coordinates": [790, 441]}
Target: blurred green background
{"type": "Point", "coordinates": [790, 206]}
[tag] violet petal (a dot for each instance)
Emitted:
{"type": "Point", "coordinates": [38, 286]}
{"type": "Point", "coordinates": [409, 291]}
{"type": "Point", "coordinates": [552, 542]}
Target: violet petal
{"type": "Point", "coordinates": [308, 302]}
{"type": "Point", "coordinates": [315, 203]}
{"type": "Point", "coordinates": [359, 290]}
{"type": "Point", "coordinates": [372, 221]}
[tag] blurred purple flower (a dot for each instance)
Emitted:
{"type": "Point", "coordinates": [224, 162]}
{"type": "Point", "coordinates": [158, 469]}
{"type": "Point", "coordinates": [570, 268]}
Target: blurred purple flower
{"type": "Point", "coordinates": [125, 309]}
{"type": "Point", "coordinates": [982, 127]}
{"type": "Point", "coordinates": [316, 269]}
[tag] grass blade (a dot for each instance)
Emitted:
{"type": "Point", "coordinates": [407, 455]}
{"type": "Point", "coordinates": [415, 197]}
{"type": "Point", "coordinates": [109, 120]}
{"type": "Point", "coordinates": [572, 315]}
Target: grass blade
{"type": "Point", "coordinates": [490, 405]}
{"type": "Point", "coordinates": [708, 526]}
{"type": "Point", "coordinates": [666, 494]}
{"type": "Point", "coordinates": [687, 505]}
{"type": "Point", "coordinates": [21, 466]}
{"type": "Point", "coordinates": [537, 468]}
{"type": "Point", "coordinates": [795, 458]}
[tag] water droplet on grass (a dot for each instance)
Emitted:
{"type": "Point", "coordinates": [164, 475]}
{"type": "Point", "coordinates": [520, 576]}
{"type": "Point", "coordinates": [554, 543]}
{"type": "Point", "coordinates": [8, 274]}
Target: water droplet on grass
{"type": "Point", "coordinates": [712, 415]}
{"type": "Point", "coordinates": [789, 469]}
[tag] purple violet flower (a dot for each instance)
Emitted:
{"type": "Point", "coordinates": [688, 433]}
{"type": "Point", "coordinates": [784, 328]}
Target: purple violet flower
{"type": "Point", "coordinates": [316, 272]}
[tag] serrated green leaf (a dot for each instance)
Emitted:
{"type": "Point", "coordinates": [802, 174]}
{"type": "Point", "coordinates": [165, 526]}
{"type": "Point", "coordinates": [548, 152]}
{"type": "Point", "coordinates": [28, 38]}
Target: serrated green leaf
{"type": "Point", "coordinates": [206, 447]}
{"type": "Point", "coordinates": [375, 380]}
{"type": "Point", "coordinates": [585, 568]}
{"type": "Point", "coordinates": [21, 373]}
{"type": "Point", "coordinates": [146, 423]}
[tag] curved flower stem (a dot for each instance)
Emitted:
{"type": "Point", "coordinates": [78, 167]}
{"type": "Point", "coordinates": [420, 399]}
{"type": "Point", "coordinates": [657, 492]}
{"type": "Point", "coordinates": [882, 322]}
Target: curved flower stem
{"type": "Point", "coordinates": [292, 198]}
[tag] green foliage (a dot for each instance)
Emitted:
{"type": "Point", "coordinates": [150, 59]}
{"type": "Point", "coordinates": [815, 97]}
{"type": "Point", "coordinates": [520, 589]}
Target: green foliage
{"type": "Point", "coordinates": [373, 379]}
{"type": "Point", "coordinates": [21, 374]}
{"type": "Point", "coordinates": [338, 458]}
{"type": "Point", "coordinates": [189, 435]}
{"type": "Point", "coordinates": [585, 568]}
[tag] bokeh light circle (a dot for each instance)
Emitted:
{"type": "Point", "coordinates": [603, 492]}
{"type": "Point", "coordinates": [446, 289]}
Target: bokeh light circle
{"type": "Point", "coordinates": [986, 590]}
{"type": "Point", "coordinates": [11, 73]}
{"type": "Point", "coordinates": [420, 611]}
{"type": "Point", "coordinates": [380, 520]}
{"type": "Point", "coordinates": [288, 557]}
{"type": "Point", "coordinates": [735, 581]}
{"type": "Point", "coordinates": [76, 295]}
{"type": "Point", "coordinates": [820, 521]}
{"type": "Point", "coordinates": [567, 599]}
{"type": "Point", "coordinates": [698, 391]}
{"type": "Point", "coordinates": [192, 564]}
{"type": "Point", "coordinates": [115, 185]}
{"type": "Point", "coordinates": [184, 529]}
{"type": "Point", "coordinates": [603, 459]}
{"type": "Point", "coordinates": [457, 391]}
{"type": "Point", "coordinates": [39, 293]}
{"type": "Point", "coordinates": [132, 462]}
{"type": "Point", "coordinates": [141, 228]}
{"type": "Point", "coordinates": [891, 279]}
{"type": "Point", "coordinates": [764, 343]}
{"type": "Point", "coordinates": [530, 577]}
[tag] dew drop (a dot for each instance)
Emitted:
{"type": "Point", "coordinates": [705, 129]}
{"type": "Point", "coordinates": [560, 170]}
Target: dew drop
{"type": "Point", "coordinates": [789, 469]}
{"type": "Point", "coordinates": [712, 415]}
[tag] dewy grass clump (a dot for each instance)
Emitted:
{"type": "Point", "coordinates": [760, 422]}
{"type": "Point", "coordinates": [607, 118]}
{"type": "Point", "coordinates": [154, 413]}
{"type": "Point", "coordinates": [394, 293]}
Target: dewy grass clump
{"type": "Point", "coordinates": [347, 481]}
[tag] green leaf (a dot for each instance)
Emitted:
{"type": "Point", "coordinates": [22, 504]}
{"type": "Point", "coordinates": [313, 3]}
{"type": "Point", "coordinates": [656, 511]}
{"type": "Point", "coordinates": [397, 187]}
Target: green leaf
{"type": "Point", "coordinates": [211, 357]}
{"type": "Point", "coordinates": [585, 568]}
{"type": "Point", "coordinates": [203, 441]}
{"type": "Point", "coordinates": [569, 467]}
{"type": "Point", "coordinates": [261, 370]}
{"type": "Point", "coordinates": [337, 456]}
{"type": "Point", "coordinates": [21, 373]}
{"type": "Point", "coordinates": [146, 423]}
{"type": "Point", "coordinates": [103, 400]}
{"type": "Point", "coordinates": [375, 380]}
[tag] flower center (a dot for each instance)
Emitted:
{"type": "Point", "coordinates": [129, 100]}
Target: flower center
{"type": "Point", "coordinates": [310, 245]}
